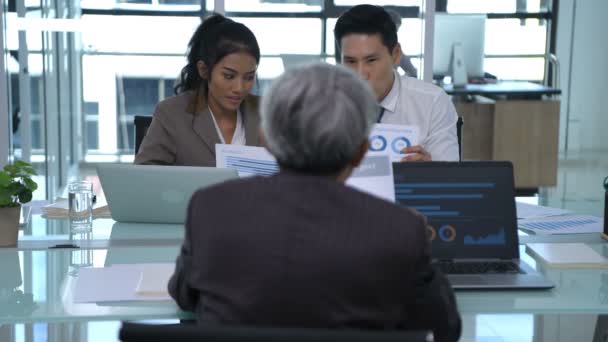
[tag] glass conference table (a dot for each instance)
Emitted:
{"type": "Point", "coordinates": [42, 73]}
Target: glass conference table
{"type": "Point", "coordinates": [42, 309]}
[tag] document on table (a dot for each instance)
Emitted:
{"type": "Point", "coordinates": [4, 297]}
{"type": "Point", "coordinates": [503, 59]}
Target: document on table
{"type": "Point", "coordinates": [374, 176]}
{"type": "Point", "coordinates": [126, 282]}
{"type": "Point", "coordinates": [577, 255]}
{"type": "Point", "coordinates": [246, 160]}
{"type": "Point", "coordinates": [563, 224]}
{"type": "Point", "coordinates": [526, 211]}
{"type": "Point", "coordinates": [154, 278]}
{"type": "Point", "coordinates": [391, 139]}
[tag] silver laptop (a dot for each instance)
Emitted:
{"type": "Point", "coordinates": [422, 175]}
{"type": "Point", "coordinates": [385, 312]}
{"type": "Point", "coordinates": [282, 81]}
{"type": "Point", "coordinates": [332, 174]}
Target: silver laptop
{"type": "Point", "coordinates": [155, 194]}
{"type": "Point", "coordinates": [470, 208]}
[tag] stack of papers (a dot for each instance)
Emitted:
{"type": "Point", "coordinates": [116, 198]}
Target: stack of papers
{"type": "Point", "coordinates": [564, 255]}
{"type": "Point", "coordinates": [526, 211]}
{"type": "Point", "coordinates": [125, 282]}
{"type": "Point", "coordinates": [60, 209]}
{"type": "Point", "coordinates": [562, 224]}
{"type": "Point", "coordinates": [546, 221]}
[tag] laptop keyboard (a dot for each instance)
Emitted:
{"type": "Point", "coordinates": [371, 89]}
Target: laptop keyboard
{"type": "Point", "coordinates": [478, 267]}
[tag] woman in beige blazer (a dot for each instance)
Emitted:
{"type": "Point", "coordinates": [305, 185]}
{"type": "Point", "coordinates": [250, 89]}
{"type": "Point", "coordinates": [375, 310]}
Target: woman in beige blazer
{"type": "Point", "coordinates": [212, 103]}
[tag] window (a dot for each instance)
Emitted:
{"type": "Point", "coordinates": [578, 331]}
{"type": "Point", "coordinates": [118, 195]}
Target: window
{"type": "Point", "coordinates": [517, 35]}
{"type": "Point", "coordinates": [128, 76]}
{"type": "Point", "coordinates": [379, 2]}
{"type": "Point", "coordinates": [496, 6]}
{"type": "Point", "coordinates": [278, 6]}
{"type": "Point", "coordinates": [162, 5]}
{"type": "Point", "coordinates": [285, 35]}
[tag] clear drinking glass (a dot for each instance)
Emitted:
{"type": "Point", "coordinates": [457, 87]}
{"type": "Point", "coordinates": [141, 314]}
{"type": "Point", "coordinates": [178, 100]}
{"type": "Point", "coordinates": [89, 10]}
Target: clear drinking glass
{"type": "Point", "coordinates": [80, 197]}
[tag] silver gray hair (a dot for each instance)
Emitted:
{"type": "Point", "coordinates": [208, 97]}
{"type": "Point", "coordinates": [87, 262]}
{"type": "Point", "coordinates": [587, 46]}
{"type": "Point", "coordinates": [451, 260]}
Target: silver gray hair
{"type": "Point", "coordinates": [316, 117]}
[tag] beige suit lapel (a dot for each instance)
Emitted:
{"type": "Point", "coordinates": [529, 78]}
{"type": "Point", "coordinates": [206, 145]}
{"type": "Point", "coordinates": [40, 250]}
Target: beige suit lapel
{"type": "Point", "coordinates": [252, 123]}
{"type": "Point", "coordinates": [251, 120]}
{"type": "Point", "coordinates": [205, 129]}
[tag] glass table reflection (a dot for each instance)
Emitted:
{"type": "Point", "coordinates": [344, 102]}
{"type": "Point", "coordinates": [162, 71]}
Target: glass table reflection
{"type": "Point", "coordinates": [36, 291]}
{"type": "Point", "coordinates": [43, 233]}
{"type": "Point", "coordinates": [48, 274]}
{"type": "Point", "coordinates": [37, 285]}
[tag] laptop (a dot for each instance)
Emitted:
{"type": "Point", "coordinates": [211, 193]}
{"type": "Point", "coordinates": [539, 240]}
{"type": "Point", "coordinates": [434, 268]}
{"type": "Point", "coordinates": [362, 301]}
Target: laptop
{"type": "Point", "coordinates": [153, 193]}
{"type": "Point", "coordinates": [470, 208]}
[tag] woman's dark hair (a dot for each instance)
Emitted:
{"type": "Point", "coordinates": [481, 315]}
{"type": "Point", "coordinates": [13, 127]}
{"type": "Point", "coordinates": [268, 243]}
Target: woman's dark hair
{"type": "Point", "coordinates": [366, 19]}
{"type": "Point", "coordinates": [215, 38]}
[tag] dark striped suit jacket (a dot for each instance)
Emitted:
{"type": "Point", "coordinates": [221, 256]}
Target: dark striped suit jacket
{"type": "Point", "coordinates": [307, 251]}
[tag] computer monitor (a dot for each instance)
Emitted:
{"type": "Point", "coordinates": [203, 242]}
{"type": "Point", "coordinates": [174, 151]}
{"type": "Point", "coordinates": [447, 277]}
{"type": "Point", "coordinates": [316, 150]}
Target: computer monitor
{"type": "Point", "coordinates": [467, 31]}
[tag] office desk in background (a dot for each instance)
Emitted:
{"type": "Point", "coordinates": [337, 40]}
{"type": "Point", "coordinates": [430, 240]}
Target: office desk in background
{"type": "Point", "coordinates": [511, 90]}
{"type": "Point", "coordinates": [516, 121]}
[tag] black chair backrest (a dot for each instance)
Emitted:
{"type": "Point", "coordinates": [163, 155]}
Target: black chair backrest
{"type": "Point", "coordinates": [459, 124]}
{"type": "Point", "coordinates": [141, 123]}
{"type": "Point", "coordinates": [133, 332]}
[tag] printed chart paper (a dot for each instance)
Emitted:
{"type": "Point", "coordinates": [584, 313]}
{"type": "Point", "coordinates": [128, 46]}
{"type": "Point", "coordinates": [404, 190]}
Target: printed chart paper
{"type": "Point", "coordinates": [392, 139]}
{"type": "Point", "coordinates": [246, 160]}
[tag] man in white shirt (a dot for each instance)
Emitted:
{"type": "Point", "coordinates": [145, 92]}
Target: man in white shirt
{"type": "Point", "coordinates": [367, 38]}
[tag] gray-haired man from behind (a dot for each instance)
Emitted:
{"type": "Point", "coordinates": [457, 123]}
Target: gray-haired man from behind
{"type": "Point", "coordinates": [301, 249]}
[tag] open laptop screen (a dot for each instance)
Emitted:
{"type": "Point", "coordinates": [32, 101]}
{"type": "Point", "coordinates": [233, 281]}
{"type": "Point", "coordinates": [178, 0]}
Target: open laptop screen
{"type": "Point", "coordinates": [469, 205]}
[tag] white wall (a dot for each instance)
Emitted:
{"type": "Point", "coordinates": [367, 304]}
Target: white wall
{"type": "Point", "coordinates": [582, 48]}
{"type": "Point", "coordinates": [4, 107]}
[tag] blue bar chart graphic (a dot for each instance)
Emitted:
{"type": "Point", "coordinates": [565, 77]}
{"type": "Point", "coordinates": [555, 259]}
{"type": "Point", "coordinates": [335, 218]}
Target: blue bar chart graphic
{"type": "Point", "coordinates": [469, 210]}
{"type": "Point", "coordinates": [490, 239]}
{"type": "Point", "coordinates": [252, 166]}
{"type": "Point", "coordinates": [555, 225]}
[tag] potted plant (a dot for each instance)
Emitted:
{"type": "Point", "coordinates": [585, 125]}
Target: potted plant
{"type": "Point", "coordinates": [16, 187]}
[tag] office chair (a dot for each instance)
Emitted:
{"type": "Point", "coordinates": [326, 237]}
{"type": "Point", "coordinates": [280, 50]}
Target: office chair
{"type": "Point", "coordinates": [134, 332]}
{"type": "Point", "coordinates": [141, 123]}
{"type": "Point", "coordinates": [459, 124]}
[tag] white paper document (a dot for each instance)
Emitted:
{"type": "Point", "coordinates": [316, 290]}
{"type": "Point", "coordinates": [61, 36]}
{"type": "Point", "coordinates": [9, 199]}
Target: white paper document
{"type": "Point", "coordinates": [154, 279]}
{"type": "Point", "coordinates": [119, 283]}
{"type": "Point", "coordinates": [246, 160]}
{"type": "Point", "coordinates": [526, 211]}
{"type": "Point", "coordinates": [577, 255]}
{"type": "Point", "coordinates": [563, 224]}
{"type": "Point", "coordinates": [391, 139]}
{"type": "Point", "coordinates": [374, 176]}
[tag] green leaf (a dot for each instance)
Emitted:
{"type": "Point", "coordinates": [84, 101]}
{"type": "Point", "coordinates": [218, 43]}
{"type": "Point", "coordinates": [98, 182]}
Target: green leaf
{"type": "Point", "coordinates": [22, 173]}
{"type": "Point", "coordinates": [25, 196]}
{"type": "Point", "coordinates": [20, 163]}
{"type": "Point", "coordinates": [5, 179]}
{"type": "Point", "coordinates": [11, 169]}
{"type": "Point", "coordinates": [5, 199]}
{"type": "Point", "coordinates": [30, 184]}
{"type": "Point", "coordinates": [15, 188]}
{"type": "Point", "coordinates": [30, 171]}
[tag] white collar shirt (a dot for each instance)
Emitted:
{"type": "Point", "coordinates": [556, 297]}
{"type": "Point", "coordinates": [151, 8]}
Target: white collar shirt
{"type": "Point", "coordinates": [416, 103]}
{"type": "Point", "coordinates": [238, 138]}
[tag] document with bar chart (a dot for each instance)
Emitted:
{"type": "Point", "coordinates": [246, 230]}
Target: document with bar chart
{"type": "Point", "coordinates": [563, 224]}
{"type": "Point", "coordinates": [374, 176]}
{"type": "Point", "coordinates": [246, 160]}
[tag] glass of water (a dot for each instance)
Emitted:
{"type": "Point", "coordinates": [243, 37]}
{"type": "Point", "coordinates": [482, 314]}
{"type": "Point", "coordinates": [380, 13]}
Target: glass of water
{"type": "Point", "coordinates": [80, 198]}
